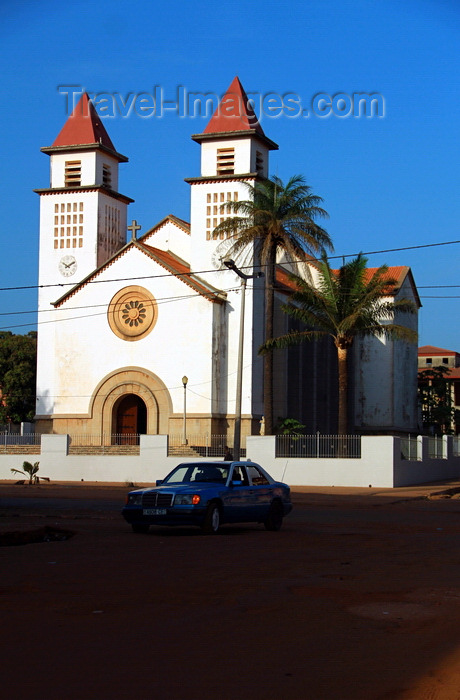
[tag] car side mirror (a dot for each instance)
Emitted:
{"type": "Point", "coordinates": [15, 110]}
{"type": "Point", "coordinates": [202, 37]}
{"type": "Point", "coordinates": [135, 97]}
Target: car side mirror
{"type": "Point", "coordinates": [237, 482]}
{"type": "Point", "coordinates": [159, 482]}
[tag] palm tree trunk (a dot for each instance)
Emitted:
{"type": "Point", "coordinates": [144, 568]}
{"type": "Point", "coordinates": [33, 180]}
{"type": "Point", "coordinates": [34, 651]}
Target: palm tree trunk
{"type": "Point", "coordinates": [268, 357]}
{"type": "Point", "coordinates": [343, 390]}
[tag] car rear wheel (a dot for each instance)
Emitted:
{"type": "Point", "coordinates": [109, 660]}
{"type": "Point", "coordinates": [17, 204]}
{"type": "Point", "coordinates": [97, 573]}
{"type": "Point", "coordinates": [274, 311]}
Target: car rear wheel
{"type": "Point", "coordinates": [274, 519]}
{"type": "Point", "coordinates": [212, 520]}
{"type": "Point", "coordinates": [139, 528]}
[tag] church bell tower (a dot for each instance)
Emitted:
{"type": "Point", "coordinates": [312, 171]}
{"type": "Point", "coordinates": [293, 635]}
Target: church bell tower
{"type": "Point", "coordinates": [234, 151]}
{"type": "Point", "coordinates": [82, 214]}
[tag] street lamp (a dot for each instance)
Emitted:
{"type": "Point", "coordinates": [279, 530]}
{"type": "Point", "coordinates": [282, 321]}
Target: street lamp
{"type": "Point", "coordinates": [230, 264]}
{"type": "Point", "coordinates": [184, 382]}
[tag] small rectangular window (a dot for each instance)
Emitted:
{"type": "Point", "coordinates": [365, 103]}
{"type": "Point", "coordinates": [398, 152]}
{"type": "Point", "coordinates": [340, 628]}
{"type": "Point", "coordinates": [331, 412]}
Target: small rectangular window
{"type": "Point", "coordinates": [445, 360]}
{"type": "Point", "coordinates": [225, 161]}
{"type": "Point", "coordinates": [106, 175]}
{"type": "Point", "coordinates": [259, 162]}
{"type": "Point", "coordinates": [72, 174]}
{"type": "Point", "coordinates": [429, 360]}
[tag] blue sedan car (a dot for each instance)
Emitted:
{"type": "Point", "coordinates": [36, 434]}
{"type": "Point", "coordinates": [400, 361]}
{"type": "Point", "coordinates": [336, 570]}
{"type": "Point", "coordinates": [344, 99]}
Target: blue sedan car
{"type": "Point", "coordinates": [209, 494]}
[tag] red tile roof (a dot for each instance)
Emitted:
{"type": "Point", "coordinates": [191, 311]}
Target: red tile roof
{"type": "Point", "coordinates": [84, 126]}
{"type": "Point", "coordinates": [432, 350]}
{"type": "Point", "coordinates": [181, 223]}
{"type": "Point", "coordinates": [234, 112]}
{"type": "Point", "coordinates": [178, 267]}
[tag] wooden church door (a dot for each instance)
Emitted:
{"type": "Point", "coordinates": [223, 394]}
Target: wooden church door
{"type": "Point", "coordinates": [131, 420]}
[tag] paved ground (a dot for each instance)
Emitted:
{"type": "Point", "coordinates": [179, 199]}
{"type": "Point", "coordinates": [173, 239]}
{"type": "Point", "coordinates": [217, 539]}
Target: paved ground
{"type": "Point", "coordinates": [356, 598]}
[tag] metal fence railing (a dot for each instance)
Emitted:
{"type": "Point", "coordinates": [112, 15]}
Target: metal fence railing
{"type": "Point", "coordinates": [17, 439]}
{"type": "Point", "coordinates": [456, 446]}
{"type": "Point", "coordinates": [203, 445]}
{"type": "Point", "coordinates": [410, 449]}
{"type": "Point", "coordinates": [103, 439]}
{"type": "Point", "coordinates": [316, 446]}
{"type": "Point", "coordinates": [14, 443]}
{"type": "Point", "coordinates": [436, 447]}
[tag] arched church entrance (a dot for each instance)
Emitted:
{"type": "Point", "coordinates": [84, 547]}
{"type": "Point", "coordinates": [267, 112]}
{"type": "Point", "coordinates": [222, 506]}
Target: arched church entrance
{"type": "Point", "coordinates": [131, 398]}
{"type": "Point", "coordinates": [130, 419]}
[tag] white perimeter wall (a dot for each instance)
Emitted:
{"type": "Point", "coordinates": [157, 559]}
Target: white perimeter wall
{"type": "Point", "coordinates": [380, 464]}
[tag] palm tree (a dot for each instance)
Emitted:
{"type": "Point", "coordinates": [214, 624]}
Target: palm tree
{"type": "Point", "coordinates": [275, 217]}
{"type": "Point", "coordinates": [345, 304]}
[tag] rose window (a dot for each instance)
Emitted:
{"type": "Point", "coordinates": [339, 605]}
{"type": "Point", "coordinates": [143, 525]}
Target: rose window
{"type": "Point", "coordinates": [132, 313]}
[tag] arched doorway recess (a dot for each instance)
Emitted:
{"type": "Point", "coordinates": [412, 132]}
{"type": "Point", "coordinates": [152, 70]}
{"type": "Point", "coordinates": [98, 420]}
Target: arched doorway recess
{"type": "Point", "coordinates": [130, 419]}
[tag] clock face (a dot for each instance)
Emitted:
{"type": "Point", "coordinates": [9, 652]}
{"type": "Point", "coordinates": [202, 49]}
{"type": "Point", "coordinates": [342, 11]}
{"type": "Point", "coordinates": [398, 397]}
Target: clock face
{"type": "Point", "coordinates": [67, 265]}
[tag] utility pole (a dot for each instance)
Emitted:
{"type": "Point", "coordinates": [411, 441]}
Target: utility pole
{"type": "Point", "coordinates": [239, 376]}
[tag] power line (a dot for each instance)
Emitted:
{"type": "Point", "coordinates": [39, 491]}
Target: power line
{"type": "Point", "coordinates": [204, 272]}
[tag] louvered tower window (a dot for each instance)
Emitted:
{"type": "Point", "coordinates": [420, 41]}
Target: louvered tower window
{"type": "Point", "coordinates": [73, 173]}
{"type": "Point", "coordinates": [225, 161]}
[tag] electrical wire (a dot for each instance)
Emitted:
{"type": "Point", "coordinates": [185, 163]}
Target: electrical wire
{"type": "Point", "coordinates": [213, 271]}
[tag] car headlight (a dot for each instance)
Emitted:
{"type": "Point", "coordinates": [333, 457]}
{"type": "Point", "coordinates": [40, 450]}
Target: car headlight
{"type": "Point", "coordinates": [187, 499]}
{"type": "Point", "coordinates": [134, 499]}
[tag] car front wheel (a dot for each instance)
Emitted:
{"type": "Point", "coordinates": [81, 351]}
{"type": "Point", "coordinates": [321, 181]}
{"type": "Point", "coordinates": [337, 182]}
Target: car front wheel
{"type": "Point", "coordinates": [212, 519]}
{"type": "Point", "coordinates": [274, 519]}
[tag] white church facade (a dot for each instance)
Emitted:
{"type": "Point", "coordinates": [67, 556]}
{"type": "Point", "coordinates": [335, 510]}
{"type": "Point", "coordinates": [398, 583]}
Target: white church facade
{"type": "Point", "coordinates": [121, 323]}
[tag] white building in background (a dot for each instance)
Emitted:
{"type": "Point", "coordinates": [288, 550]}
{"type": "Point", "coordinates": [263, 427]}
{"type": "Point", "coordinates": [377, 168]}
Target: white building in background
{"type": "Point", "coordinates": [122, 322]}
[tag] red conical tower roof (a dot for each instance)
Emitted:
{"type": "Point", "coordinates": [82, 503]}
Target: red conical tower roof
{"type": "Point", "coordinates": [234, 113]}
{"type": "Point", "coordinates": [83, 127]}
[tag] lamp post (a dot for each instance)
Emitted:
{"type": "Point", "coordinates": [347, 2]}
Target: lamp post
{"type": "Point", "coordinates": [184, 382]}
{"type": "Point", "coordinates": [239, 375]}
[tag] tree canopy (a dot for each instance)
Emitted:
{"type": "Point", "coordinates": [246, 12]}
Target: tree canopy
{"type": "Point", "coordinates": [435, 395]}
{"type": "Point", "coordinates": [18, 355]}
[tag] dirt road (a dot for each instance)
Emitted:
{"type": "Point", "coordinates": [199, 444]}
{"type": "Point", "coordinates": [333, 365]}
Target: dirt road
{"type": "Point", "coordinates": [356, 598]}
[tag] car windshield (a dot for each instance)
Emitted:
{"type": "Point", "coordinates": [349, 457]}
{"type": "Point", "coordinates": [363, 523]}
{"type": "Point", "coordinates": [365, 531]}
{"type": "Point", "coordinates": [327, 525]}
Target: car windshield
{"type": "Point", "coordinates": [192, 473]}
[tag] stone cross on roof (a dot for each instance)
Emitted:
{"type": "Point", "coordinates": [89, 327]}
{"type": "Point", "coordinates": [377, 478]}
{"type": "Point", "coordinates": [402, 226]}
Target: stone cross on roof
{"type": "Point", "coordinates": [134, 228]}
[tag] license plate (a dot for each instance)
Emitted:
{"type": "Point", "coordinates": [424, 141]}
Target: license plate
{"type": "Point", "coordinates": [154, 511]}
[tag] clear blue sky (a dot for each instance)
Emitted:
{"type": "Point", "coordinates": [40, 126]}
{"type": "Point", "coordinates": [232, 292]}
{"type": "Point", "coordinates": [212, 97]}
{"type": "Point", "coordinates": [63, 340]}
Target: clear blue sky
{"type": "Point", "coordinates": [387, 182]}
